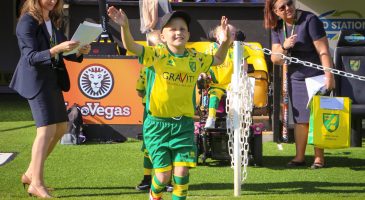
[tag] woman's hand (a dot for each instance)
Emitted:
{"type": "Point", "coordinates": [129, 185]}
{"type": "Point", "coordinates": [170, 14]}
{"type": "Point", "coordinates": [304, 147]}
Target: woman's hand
{"type": "Point", "coordinates": [290, 42]}
{"type": "Point", "coordinates": [64, 47]}
{"type": "Point", "coordinates": [330, 81]}
{"type": "Point", "coordinates": [68, 46]}
{"type": "Point", "coordinates": [85, 49]}
{"type": "Point", "coordinates": [118, 16]}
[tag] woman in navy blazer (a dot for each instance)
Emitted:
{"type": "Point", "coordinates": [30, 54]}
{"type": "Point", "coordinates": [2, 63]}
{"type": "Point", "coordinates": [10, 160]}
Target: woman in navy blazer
{"type": "Point", "coordinates": [37, 78]}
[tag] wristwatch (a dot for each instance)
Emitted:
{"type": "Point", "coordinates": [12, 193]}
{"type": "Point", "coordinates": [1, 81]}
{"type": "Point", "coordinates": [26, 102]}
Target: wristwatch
{"type": "Point", "coordinates": [283, 48]}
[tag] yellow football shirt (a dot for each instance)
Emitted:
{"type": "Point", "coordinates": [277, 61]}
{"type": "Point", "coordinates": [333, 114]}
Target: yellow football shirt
{"type": "Point", "coordinates": [171, 86]}
{"type": "Point", "coordinates": [221, 74]}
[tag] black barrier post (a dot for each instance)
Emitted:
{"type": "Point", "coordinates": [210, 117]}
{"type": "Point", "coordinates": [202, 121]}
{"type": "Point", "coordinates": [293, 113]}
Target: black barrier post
{"type": "Point", "coordinates": [257, 150]}
{"type": "Point", "coordinates": [104, 21]}
{"type": "Point", "coordinates": [276, 125]}
{"type": "Point", "coordinates": [105, 45]}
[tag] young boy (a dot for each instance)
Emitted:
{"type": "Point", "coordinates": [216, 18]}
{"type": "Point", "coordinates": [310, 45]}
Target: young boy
{"type": "Point", "coordinates": [221, 75]}
{"type": "Point", "coordinates": [153, 39]}
{"type": "Point", "coordinates": [169, 127]}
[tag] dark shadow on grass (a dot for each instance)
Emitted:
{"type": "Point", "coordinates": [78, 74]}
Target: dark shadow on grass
{"type": "Point", "coordinates": [337, 159]}
{"type": "Point", "coordinates": [95, 188]}
{"type": "Point", "coordinates": [285, 188]}
{"type": "Point", "coordinates": [215, 163]}
{"type": "Point", "coordinates": [98, 194]}
{"type": "Point", "coordinates": [92, 143]}
{"type": "Point", "coordinates": [104, 133]}
{"type": "Point", "coordinates": [279, 162]}
{"type": "Point", "coordinates": [17, 128]}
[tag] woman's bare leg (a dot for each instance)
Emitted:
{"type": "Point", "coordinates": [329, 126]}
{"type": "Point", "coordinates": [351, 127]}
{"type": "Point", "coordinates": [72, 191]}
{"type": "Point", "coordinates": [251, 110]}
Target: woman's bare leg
{"type": "Point", "coordinates": [301, 136]}
{"type": "Point", "coordinates": [60, 131]}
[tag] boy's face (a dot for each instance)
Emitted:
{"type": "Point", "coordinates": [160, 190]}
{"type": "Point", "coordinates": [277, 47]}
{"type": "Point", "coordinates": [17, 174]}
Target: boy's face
{"type": "Point", "coordinates": [175, 33]}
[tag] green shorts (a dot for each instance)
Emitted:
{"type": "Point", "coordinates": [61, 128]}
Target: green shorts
{"type": "Point", "coordinates": [170, 142]}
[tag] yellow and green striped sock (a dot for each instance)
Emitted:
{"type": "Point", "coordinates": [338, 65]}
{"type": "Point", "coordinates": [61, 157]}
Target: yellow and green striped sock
{"type": "Point", "coordinates": [181, 185]}
{"type": "Point", "coordinates": [157, 187]}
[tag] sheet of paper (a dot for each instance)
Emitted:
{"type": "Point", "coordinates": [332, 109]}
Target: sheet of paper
{"type": "Point", "coordinates": [314, 84]}
{"type": "Point", "coordinates": [86, 33]}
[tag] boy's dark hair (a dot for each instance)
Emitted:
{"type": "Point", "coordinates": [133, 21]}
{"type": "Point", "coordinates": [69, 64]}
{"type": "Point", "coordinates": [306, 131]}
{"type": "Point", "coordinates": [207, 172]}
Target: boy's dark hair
{"type": "Point", "coordinates": [175, 14]}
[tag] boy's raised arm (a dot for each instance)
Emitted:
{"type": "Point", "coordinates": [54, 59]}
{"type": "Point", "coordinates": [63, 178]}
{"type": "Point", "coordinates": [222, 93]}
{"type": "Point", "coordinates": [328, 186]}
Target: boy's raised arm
{"type": "Point", "coordinates": [221, 53]}
{"type": "Point", "coordinates": [119, 17]}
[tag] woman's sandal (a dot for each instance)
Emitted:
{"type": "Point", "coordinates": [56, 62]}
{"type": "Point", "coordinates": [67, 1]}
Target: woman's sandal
{"type": "Point", "coordinates": [39, 192]}
{"type": "Point", "coordinates": [293, 163]}
{"type": "Point", "coordinates": [317, 166]}
{"type": "Point", "coordinates": [27, 181]}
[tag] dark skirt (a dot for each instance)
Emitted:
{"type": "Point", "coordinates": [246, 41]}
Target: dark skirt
{"type": "Point", "coordinates": [299, 99]}
{"type": "Point", "coordinates": [48, 107]}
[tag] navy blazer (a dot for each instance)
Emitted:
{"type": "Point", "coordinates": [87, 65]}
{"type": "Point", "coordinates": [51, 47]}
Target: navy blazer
{"type": "Point", "coordinates": [35, 64]}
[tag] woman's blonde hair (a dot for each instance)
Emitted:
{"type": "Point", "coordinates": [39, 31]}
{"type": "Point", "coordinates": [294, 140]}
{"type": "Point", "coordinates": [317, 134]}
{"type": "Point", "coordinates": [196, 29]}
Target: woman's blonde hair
{"type": "Point", "coordinates": [33, 7]}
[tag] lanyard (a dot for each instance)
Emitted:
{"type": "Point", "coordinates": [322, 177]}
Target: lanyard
{"type": "Point", "coordinates": [285, 36]}
{"type": "Point", "coordinates": [292, 30]}
{"type": "Point", "coordinates": [53, 41]}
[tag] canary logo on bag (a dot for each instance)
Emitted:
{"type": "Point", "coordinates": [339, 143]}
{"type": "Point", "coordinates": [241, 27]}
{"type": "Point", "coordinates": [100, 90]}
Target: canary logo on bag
{"type": "Point", "coordinates": [330, 121]}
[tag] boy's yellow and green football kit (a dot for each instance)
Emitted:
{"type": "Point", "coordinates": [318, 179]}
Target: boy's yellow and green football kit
{"type": "Point", "coordinates": [170, 104]}
{"type": "Point", "coordinates": [221, 77]}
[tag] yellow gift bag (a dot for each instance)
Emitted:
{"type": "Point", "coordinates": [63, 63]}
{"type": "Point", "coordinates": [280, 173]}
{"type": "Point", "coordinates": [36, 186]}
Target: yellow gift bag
{"type": "Point", "coordinates": [331, 122]}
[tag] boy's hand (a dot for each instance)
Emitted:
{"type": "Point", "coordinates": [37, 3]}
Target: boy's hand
{"type": "Point", "coordinates": [118, 17]}
{"type": "Point", "coordinates": [221, 53]}
{"type": "Point", "coordinates": [225, 29]}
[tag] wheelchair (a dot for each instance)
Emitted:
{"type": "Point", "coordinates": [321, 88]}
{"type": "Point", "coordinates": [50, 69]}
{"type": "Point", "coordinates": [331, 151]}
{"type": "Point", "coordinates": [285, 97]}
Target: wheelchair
{"type": "Point", "coordinates": [213, 142]}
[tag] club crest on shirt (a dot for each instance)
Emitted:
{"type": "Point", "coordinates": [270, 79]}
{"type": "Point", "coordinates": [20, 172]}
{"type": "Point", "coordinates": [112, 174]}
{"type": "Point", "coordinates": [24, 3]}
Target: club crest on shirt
{"type": "Point", "coordinates": [192, 66]}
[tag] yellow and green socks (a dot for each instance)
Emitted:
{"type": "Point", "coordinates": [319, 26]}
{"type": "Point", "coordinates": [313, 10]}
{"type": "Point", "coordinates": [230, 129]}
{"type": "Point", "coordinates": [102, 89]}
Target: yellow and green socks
{"type": "Point", "coordinates": [181, 185]}
{"type": "Point", "coordinates": [157, 187]}
{"type": "Point", "coordinates": [213, 105]}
